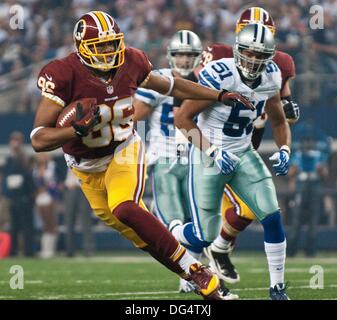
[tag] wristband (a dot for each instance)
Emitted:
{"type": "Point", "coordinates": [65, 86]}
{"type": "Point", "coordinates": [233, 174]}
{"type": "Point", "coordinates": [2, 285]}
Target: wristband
{"type": "Point", "coordinates": [285, 148]}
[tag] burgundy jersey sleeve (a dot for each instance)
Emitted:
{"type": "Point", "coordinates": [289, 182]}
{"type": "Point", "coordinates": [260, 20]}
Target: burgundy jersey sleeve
{"type": "Point", "coordinates": [142, 64]}
{"type": "Point", "coordinates": [54, 81]}
{"type": "Point", "coordinates": [286, 64]}
{"type": "Point", "coordinates": [216, 52]}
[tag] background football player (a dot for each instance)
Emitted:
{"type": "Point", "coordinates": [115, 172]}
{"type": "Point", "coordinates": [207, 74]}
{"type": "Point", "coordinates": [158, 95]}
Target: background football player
{"type": "Point", "coordinates": [101, 146]}
{"type": "Point", "coordinates": [236, 214]}
{"type": "Point", "coordinates": [222, 152]}
{"type": "Point", "coordinates": [167, 154]}
{"type": "Point", "coordinates": [169, 178]}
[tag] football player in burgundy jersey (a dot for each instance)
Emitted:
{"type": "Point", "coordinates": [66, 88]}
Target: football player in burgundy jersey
{"type": "Point", "coordinates": [102, 148]}
{"type": "Point", "coordinates": [236, 214]}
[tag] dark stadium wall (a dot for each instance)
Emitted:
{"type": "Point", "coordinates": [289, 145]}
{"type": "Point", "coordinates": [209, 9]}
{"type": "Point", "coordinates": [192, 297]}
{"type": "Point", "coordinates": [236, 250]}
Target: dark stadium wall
{"type": "Point", "coordinates": [250, 240]}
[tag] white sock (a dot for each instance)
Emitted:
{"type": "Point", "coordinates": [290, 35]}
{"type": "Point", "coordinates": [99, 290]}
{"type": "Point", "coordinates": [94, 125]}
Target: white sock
{"type": "Point", "coordinates": [195, 255]}
{"type": "Point", "coordinates": [222, 245]}
{"type": "Point", "coordinates": [186, 261]}
{"type": "Point", "coordinates": [178, 233]}
{"type": "Point", "coordinates": [276, 256]}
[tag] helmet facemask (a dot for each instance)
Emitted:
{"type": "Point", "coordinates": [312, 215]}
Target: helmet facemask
{"type": "Point", "coordinates": [251, 63]}
{"type": "Point", "coordinates": [96, 54]}
{"type": "Point", "coordinates": [184, 62]}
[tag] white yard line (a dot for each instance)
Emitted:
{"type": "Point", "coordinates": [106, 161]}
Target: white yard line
{"type": "Point", "coordinates": [149, 294]}
{"type": "Point", "coordinates": [291, 270]}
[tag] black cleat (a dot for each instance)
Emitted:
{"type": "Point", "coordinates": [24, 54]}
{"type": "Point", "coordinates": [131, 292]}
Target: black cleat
{"type": "Point", "coordinates": [278, 292]}
{"type": "Point", "coordinates": [225, 292]}
{"type": "Point", "coordinates": [221, 264]}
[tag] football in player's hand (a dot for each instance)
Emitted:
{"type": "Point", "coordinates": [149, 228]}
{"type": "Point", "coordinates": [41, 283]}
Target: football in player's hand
{"type": "Point", "coordinates": [75, 111]}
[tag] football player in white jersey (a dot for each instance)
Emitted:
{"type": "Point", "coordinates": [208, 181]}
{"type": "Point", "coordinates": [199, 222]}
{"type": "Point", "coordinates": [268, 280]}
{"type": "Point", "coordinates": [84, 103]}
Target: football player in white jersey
{"type": "Point", "coordinates": [167, 153]}
{"type": "Point", "coordinates": [222, 152]}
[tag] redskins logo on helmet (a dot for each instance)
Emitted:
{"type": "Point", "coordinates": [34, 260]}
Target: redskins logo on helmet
{"type": "Point", "coordinates": [255, 15]}
{"type": "Point", "coordinates": [98, 41]}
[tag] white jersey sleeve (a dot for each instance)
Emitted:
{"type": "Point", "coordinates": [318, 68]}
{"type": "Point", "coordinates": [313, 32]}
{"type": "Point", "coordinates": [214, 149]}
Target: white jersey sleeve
{"type": "Point", "coordinates": [272, 78]}
{"type": "Point", "coordinates": [217, 74]}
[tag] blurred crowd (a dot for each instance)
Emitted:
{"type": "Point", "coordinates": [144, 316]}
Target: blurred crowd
{"type": "Point", "coordinates": [38, 198]}
{"type": "Point", "coordinates": [148, 24]}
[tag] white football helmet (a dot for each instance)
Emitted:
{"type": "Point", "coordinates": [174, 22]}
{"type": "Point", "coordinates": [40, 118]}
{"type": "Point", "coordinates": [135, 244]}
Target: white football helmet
{"type": "Point", "coordinates": [258, 39]}
{"type": "Point", "coordinates": [184, 42]}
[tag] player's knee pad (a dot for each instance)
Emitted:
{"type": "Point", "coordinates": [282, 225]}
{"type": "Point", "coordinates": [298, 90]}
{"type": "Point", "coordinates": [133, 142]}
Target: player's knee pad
{"type": "Point", "coordinates": [273, 229]}
{"type": "Point", "coordinates": [233, 224]}
{"type": "Point", "coordinates": [194, 243]}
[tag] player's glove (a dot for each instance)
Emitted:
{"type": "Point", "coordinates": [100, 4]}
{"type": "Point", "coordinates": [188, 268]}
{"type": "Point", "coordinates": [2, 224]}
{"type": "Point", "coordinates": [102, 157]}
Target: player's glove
{"type": "Point", "coordinates": [85, 122]}
{"type": "Point", "coordinates": [225, 160]}
{"type": "Point", "coordinates": [291, 110]}
{"type": "Point", "coordinates": [282, 158]}
{"type": "Point", "coordinates": [233, 98]}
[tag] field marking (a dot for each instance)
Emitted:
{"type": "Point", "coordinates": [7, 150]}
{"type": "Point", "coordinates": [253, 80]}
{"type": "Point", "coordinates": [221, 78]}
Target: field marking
{"type": "Point", "coordinates": [151, 293]}
{"type": "Point", "coordinates": [291, 270]}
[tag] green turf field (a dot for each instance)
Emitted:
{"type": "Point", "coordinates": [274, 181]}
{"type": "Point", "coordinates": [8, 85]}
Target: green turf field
{"type": "Point", "coordinates": [137, 276]}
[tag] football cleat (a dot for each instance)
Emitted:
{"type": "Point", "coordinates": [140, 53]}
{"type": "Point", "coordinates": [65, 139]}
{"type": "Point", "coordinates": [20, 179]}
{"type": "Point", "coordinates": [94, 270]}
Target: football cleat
{"type": "Point", "coordinates": [225, 292]}
{"type": "Point", "coordinates": [186, 286]}
{"type": "Point", "coordinates": [278, 292]}
{"type": "Point", "coordinates": [206, 281]}
{"type": "Point", "coordinates": [221, 264]}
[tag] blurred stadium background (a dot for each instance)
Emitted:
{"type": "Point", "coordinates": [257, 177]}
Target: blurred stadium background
{"type": "Point", "coordinates": [47, 34]}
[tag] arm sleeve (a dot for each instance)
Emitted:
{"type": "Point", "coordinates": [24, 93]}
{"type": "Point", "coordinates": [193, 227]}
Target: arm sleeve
{"type": "Point", "coordinates": [54, 81]}
{"type": "Point", "coordinates": [275, 76]}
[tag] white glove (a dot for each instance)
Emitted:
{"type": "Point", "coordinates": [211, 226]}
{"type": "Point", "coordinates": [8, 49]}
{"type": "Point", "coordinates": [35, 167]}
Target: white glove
{"type": "Point", "coordinates": [282, 157]}
{"type": "Point", "coordinates": [225, 160]}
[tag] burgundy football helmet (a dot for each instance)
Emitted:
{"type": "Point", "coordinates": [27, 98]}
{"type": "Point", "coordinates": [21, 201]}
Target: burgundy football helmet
{"type": "Point", "coordinates": [255, 15]}
{"type": "Point", "coordinates": [99, 41]}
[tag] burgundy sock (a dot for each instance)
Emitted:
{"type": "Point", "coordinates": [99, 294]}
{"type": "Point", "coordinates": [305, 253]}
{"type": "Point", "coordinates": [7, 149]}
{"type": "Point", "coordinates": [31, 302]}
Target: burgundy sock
{"type": "Point", "coordinates": [148, 228]}
{"type": "Point", "coordinates": [235, 222]}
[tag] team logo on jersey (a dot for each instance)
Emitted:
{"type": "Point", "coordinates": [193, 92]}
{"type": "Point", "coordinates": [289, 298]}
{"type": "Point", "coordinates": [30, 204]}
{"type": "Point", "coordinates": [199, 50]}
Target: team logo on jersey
{"type": "Point", "coordinates": [110, 89]}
